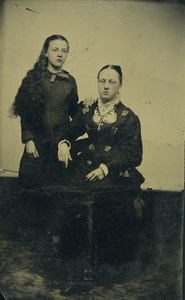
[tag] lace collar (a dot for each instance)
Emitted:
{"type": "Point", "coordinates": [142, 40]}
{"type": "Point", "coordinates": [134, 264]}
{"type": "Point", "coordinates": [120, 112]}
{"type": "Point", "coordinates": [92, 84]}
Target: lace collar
{"type": "Point", "coordinates": [105, 113]}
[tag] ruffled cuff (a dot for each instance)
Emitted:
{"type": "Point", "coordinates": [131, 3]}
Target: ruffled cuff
{"type": "Point", "coordinates": [64, 141]}
{"type": "Point", "coordinates": [26, 136]}
{"type": "Point", "coordinates": [104, 169]}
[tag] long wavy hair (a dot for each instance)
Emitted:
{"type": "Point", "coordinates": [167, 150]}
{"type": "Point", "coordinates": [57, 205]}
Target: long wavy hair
{"type": "Point", "coordinates": [42, 61]}
{"type": "Point", "coordinates": [29, 100]}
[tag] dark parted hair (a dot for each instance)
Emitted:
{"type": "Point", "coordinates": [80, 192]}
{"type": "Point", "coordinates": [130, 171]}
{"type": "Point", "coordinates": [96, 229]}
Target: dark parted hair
{"type": "Point", "coordinates": [116, 68]}
{"type": "Point", "coordinates": [29, 99]}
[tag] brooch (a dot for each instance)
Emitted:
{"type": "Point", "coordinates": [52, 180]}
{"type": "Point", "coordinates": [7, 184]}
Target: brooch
{"type": "Point", "coordinates": [124, 113]}
{"type": "Point", "coordinates": [91, 147]}
{"type": "Point", "coordinates": [107, 148]}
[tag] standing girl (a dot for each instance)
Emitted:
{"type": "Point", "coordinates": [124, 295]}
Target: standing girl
{"type": "Point", "coordinates": [45, 102]}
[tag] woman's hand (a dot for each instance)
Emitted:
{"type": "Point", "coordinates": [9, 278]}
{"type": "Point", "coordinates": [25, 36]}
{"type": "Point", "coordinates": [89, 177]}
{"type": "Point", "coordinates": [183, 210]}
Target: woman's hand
{"type": "Point", "coordinates": [64, 154]}
{"type": "Point", "coordinates": [95, 174]}
{"type": "Point", "coordinates": [31, 149]}
{"type": "Point", "coordinates": [88, 101]}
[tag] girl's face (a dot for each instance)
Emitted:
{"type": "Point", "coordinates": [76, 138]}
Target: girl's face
{"type": "Point", "coordinates": [108, 84]}
{"type": "Point", "coordinates": [57, 53]}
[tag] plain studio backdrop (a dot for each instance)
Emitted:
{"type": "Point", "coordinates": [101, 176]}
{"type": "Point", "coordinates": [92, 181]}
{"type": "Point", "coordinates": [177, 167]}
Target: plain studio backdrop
{"type": "Point", "coordinates": [147, 38]}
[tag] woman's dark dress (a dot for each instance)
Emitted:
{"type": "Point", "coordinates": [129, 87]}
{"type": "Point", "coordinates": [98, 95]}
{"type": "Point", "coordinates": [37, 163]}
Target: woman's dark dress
{"type": "Point", "coordinates": [119, 147]}
{"type": "Point", "coordinates": [46, 104]}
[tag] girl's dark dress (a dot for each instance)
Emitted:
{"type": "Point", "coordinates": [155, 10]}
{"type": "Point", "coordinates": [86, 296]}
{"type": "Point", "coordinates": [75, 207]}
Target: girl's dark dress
{"type": "Point", "coordinates": [45, 103]}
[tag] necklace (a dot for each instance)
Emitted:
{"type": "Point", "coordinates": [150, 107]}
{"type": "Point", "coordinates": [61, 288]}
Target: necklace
{"type": "Point", "coordinates": [105, 113]}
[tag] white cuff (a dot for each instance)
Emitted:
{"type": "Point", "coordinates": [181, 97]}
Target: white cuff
{"type": "Point", "coordinates": [104, 169]}
{"type": "Point", "coordinates": [64, 141]}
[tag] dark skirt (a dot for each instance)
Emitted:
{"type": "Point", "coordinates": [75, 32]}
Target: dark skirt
{"type": "Point", "coordinates": [44, 171]}
{"type": "Point", "coordinates": [79, 168]}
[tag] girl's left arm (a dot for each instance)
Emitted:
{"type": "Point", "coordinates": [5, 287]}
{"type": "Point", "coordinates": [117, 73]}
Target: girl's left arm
{"type": "Point", "coordinates": [69, 135]}
{"type": "Point", "coordinates": [73, 109]}
{"type": "Point", "coordinates": [73, 105]}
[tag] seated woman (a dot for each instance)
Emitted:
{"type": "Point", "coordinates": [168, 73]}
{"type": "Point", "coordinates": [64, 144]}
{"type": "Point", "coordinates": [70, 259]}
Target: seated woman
{"type": "Point", "coordinates": [106, 164]}
{"type": "Point", "coordinates": [114, 147]}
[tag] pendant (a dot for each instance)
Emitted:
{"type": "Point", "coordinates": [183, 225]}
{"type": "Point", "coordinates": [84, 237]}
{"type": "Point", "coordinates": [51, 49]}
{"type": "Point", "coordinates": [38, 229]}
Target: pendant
{"type": "Point", "coordinates": [99, 126]}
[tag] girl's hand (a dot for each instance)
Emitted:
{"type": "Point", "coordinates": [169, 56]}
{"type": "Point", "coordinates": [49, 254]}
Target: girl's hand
{"type": "Point", "coordinates": [95, 174]}
{"type": "Point", "coordinates": [88, 101]}
{"type": "Point", "coordinates": [31, 149]}
{"type": "Point", "coordinates": [64, 154]}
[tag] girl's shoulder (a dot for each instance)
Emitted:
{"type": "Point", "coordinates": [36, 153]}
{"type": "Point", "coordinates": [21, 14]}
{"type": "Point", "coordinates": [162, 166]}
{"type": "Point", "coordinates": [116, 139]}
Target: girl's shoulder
{"type": "Point", "coordinates": [30, 76]}
{"type": "Point", "coordinates": [27, 79]}
{"type": "Point", "coordinates": [71, 77]}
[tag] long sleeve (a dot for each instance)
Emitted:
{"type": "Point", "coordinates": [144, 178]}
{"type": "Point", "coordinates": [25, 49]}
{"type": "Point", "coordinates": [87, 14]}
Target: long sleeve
{"type": "Point", "coordinates": [26, 132]}
{"type": "Point", "coordinates": [72, 111]}
{"type": "Point", "coordinates": [73, 108]}
{"type": "Point", "coordinates": [21, 107]}
{"type": "Point", "coordinates": [77, 127]}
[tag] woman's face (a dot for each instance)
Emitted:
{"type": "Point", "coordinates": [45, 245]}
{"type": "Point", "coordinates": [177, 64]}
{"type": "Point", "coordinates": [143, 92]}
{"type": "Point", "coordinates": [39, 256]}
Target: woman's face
{"type": "Point", "coordinates": [108, 84]}
{"type": "Point", "coordinates": [57, 53]}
